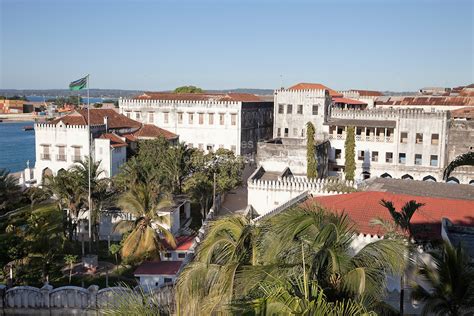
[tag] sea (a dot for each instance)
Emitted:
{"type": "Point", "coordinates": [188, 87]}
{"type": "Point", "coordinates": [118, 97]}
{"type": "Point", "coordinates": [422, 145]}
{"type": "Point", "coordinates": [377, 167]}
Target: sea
{"type": "Point", "coordinates": [16, 146]}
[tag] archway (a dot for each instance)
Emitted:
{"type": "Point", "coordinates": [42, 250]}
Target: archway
{"type": "Point", "coordinates": [407, 177]}
{"type": "Point", "coordinates": [429, 178]}
{"type": "Point", "coordinates": [365, 175]}
{"type": "Point", "coordinates": [45, 174]}
{"type": "Point", "coordinates": [386, 175]}
{"type": "Point", "coordinates": [452, 180]}
{"type": "Point", "coordinates": [61, 171]}
{"type": "Point", "coordinates": [471, 182]}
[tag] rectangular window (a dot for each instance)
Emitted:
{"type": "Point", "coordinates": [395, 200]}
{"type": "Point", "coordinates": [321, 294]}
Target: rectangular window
{"type": "Point", "coordinates": [190, 118]}
{"type": "Point", "coordinates": [180, 117]}
{"type": "Point", "coordinates": [375, 156]}
{"type": "Point", "coordinates": [281, 108]}
{"type": "Point", "coordinates": [165, 117]}
{"type": "Point", "coordinates": [77, 154]}
{"type": "Point", "coordinates": [210, 148]}
{"type": "Point", "coordinates": [295, 132]}
{"type": "Point", "coordinates": [434, 139]}
{"type": "Point", "coordinates": [359, 131]}
{"type": "Point", "coordinates": [233, 119]}
{"type": "Point", "coordinates": [302, 132]}
{"type": "Point", "coordinates": [181, 255]}
{"type": "Point", "coordinates": [289, 109]}
{"type": "Point", "coordinates": [201, 118]}
{"type": "Point", "coordinates": [45, 154]}
{"type": "Point", "coordinates": [402, 157]}
{"type": "Point", "coordinates": [388, 157]}
{"type": "Point", "coordinates": [338, 154]}
{"type": "Point", "coordinates": [360, 155]}
{"type": "Point", "coordinates": [128, 114]}
{"type": "Point", "coordinates": [137, 115]}
{"type": "Point", "coordinates": [211, 118]}
{"type": "Point", "coordinates": [150, 117]}
{"type": "Point", "coordinates": [62, 153]}
{"type": "Point", "coordinates": [300, 109]}
{"type": "Point", "coordinates": [168, 280]}
{"type": "Point", "coordinates": [418, 159]}
{"type": "Point", "coordinates": [168, 255]}
{"type": "Point", "coordinates": [404, 137]}
{"type": "Point", "coordinates": [419, 138]}
{"type": "Point", "coordinates": [286, 132]}
{"type": "Point", "coordinates": [434, 160]}
{"type": "Point", "coordinates": [315, 110]}
{"type": "Point", "coordinates": [221, 119]}
{"type": "Point", "coordinates": [278, 132]}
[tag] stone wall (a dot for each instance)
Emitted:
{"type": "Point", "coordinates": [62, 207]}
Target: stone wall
{"type": "Point", "coordinates": [72, 300]}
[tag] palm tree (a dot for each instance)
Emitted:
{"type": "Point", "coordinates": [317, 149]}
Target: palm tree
{"type": "Point", "coordinates": [326, 241]}
{"type": "Point", "coordinates": [451, 282]}
{"type": "Point", "coordinates": [402, 220]}
{"type": "Point", "coordinates": [466, 159]}
{"type": "Point", "coordinates": [209, 283]}
{"type": "Point", "coordinates": [177, 165]}
{"type": "Point", "coordinates": [147, 231]}
{"type": "Point", "coordinates": [10, 191]}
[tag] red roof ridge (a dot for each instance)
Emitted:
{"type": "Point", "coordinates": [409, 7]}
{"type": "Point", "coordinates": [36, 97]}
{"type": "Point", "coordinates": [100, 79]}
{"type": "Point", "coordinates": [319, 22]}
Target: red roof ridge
{"type": "Point", "coordinates": [315, 86]}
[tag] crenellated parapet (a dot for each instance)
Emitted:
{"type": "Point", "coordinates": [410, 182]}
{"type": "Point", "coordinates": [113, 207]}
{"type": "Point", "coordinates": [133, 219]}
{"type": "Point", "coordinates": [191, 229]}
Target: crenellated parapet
{"type": "Point", "coordinates": [151, 104]}
{"type": "Point", "coordinates": [50, 126]}
{"type": "Point", "coordinates": [384, 114]}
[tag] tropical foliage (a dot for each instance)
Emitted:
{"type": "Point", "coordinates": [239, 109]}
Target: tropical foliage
{"type": "Point", "coordinates": [188, 89]}
{"type": "Point", "coordinates": [448, 282]}
{"type": "Point", "coordinates": [312, 163]}
{"type": "Point", "coordinates": [242, 265]}
{"type": "Point", "coordinates": [349, 154]}
{"type": "Point", "coordinates": [466, 159]}
{"type": "Point", "coordinates": [10, 192]}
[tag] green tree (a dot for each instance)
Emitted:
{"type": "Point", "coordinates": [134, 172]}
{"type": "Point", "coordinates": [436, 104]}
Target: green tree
{"type": "Point", "coordinates": [200, 189]}
{"type": "Point", "coordinates": [466, 159]}
{"type": "Point", "coordinates": [312, 163]}
{"type": "Point", "coordinates": [143, 200]}
{"type": "Point", "coordinates": [188, 89]}
{"type": "Point", "coordinates": [10, 192]}
{"type": "Point", "coordinates": [115, 250]}
{"type": "Point", "coordinates": [449, 282]}
{"type": "Point", "coordinates": [70, 260]}
{"type": "Point", "coordinates": [207, 284]}
{"type": "Point", "coordinates": [177, 165]}
{"type": "Point", "coordinates": [349, 147]}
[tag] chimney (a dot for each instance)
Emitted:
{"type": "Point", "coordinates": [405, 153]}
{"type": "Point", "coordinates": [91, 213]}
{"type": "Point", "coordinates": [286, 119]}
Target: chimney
{"type": "Point", "coordinates": [106, 123]}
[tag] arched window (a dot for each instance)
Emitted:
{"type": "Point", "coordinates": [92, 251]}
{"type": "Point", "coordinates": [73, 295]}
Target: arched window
{"type": "Point", "coordinates": [429, 178]}
{"type": "Point", "coordinates": [386, 175]}
{"type": "Point", "coordinates": [407, 177]}
{"type": "Point", "coordinates": [452, 180]}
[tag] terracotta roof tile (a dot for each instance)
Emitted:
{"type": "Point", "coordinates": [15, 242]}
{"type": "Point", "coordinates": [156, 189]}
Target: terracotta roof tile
{"type": "Point", "coordinates": [348, 101]}
{"type": "Point", "coordinates": [362, 207]}
{"type": "Point", "coordinates": [315, 86]}
{"type": "Point", "coordinates": [115, 140]}
{"type": "Point", "coordinates": [115, 119]}
{"type": "Point", "coordinates": [237, 97]}
{"type": "Point", "coordinates": [182, 243]}
{"type": "Point", "coordinates": [158, 268]}
{"type": "Point", "coordinates": [153, 131]}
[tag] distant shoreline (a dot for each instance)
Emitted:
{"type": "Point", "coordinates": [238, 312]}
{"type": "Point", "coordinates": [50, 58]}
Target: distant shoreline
{"type": "Point", "coordinates": [12, 118]}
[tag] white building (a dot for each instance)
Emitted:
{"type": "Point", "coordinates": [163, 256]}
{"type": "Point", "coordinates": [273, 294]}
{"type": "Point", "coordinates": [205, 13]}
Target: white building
{"type": "Point", "coordinates": [64, 141]}
{"type": "Point", "coordinates": [235, 121]}
{"type": "Point", "coordinates": [154, 274]}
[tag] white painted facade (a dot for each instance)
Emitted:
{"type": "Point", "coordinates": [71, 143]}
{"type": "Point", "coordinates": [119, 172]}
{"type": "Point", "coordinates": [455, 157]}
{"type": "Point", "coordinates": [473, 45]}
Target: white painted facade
{"type": "Point", "coordinates": [208, 125]}
{"type": "Point", "coordinates": [60, 146]}
{"type": "Point", "coordinates": [151, 281]}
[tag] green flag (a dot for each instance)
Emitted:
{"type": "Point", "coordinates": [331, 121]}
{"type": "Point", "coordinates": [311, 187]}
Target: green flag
{"type": "Point", "coordinates": [79, 84]}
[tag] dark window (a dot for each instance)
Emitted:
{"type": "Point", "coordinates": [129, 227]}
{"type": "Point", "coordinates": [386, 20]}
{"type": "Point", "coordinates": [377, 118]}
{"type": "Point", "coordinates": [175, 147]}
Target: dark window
{"type": "Point", "coordinates": [300, 109]}
{"type": "Point", "coordinates": [402, 157]}
{"type": "Point", "coordinates": [167, 254]}
{"type": "Point", "coordinates": [338, 153]}
{"type": "Point", "coordinates": [289, 109]}
{"type": "Point", "coordinates": [418, 159]}
{"type": "Point", "coordinates": [286, 132]}
{"type": "Point", "coordinates": [315, 110]}
{"type": "Point", "coordinates": [281, 108]}
{"type": "Point", "coordinates": [375, 156]}
{"type": "Point", "coordinates": [168, 280]}
{"type": "Point", "coordinates": [181, 255]}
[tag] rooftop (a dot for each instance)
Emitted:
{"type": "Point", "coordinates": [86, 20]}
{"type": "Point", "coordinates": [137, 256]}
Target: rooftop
{"type": "Point", "coordinates": [315, 86]}
{"type": "Point", "coordinates": [348, 101]}
{"type": "Point", "coordinates": [158, 268]}
{"type": "Point", "coordinates": [463, 113]}
{"type": "Point", "coordinates": [236, 97]}
{"type": "Point", "coordinates": [153, 131]}
{"type": "Point", "coordinates": [420, 188]}
{"type": "Point", "coordinates": [425, 100]}
{"type": "Point", "coordinates": [182, 243]}
{"type": "Point", "coordinates": [362, 207]}
{"type": "Point", "coordinates": [368, 93]}
{"type": "Point", "coordinates": [115, 120]}
{"type": "Point", "coordinates": [115, 140]}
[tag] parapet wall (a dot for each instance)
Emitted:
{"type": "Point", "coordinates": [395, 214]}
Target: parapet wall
{"type": "Point", "coordinates": [72, 300]}
{"type": "Point", "coordinates": [138, 104]}
{"type": "Point", "coordinates": [383, 114]}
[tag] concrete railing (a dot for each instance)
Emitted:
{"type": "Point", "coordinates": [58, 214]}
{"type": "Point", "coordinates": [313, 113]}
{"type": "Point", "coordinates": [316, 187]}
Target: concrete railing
{"type": "Point", "coordinates": [386, 114]}
{"type": "Point", "coordinates": [72, 300]}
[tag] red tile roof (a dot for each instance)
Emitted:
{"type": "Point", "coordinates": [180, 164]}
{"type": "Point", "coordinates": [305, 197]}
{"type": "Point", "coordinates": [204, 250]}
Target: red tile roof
{"type": "Point", "coordinates": [182, 243]}
{"type": "Point", "coordinates": [361, 207]}
{"type": "Point", "coordinates": [115, 119]}
{"type": "Point", "coordinates": [426, 100]}
{"type": "Point", "coordinates": [153, 131]}
{"type": "Point", "coordinates": [315, 86]}
{"type": "Point", "coordinates": [237, 97]}
{"type": "Point", "coordinates": [368, 93]}
{"type": "Point", "coordinates": [467, 113]}
{"type": "Point", "coordinates": [348, 101]}
{"type": "Point", "coordinates": [115, 141]}
{"type": "Point", "coordinates": [158, 268]}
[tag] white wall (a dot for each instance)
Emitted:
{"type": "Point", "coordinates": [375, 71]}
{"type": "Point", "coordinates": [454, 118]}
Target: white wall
{"type": "Point", "coordinates": [154, 281]}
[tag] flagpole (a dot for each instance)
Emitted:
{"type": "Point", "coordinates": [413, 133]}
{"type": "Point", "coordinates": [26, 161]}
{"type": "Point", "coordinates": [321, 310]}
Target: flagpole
{"type": "Point", "coordinates": [89, 166]}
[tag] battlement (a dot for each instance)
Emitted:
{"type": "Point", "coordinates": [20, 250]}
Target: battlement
{"type": "Point", "coordinates": [387, 114]}
{"type": "Point", "coordinates": [137, 103]}
{"type": "Point", "coordinates": [316, 93]}
{"type": "Point", "coordinates": [50, 126]}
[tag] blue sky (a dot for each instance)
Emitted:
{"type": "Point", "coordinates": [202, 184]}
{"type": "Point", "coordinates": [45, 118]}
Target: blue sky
{"type": "Point", "coordinates": [158, 45]}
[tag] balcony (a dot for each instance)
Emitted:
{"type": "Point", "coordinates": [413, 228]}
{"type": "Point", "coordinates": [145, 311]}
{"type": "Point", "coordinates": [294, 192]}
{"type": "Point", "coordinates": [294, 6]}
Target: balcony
{"type": "Point", "coordinates": [45, 157]}
{"type": "Point", "coordinates": [75, 158]}
{"type": "Point", "coordinates": [61, 157]}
